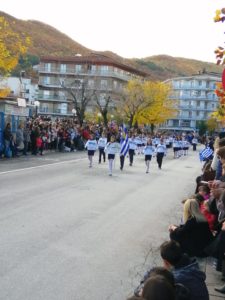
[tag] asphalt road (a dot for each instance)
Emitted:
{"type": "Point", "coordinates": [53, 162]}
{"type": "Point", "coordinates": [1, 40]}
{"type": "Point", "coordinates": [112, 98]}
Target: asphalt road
{"type": "Point", "coordinates": [70, 232]}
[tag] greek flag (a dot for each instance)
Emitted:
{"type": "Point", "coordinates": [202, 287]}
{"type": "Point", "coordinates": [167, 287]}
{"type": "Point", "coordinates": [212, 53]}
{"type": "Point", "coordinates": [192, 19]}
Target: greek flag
{"type": "Point", "coordinates": [124, 146]}
{"type": "Point", "coordinates": [205, 153]}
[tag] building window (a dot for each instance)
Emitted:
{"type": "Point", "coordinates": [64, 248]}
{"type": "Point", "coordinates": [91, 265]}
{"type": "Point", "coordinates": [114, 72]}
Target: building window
{"type": "Point", "coordinates": [103, 84]}
{"type": "Point", "coordinates": [175, 123]}
{"type": "Point", "coordinates": [46, 80]}
{"type": "Point", "coordinates": [115, 85]}
{"type": "Point", "coordinates": [63, 68]}
{"type": "Point", "coordinates": [77, 68]}
{"type": "Point", "coordinates": [185, 123]}
{"type": "Point", "coordinates": [200, 83]}
{"type": "Point", "coordinates": [91, 83]}
{"type": "Point", "coordinates": [104, 69]}
{"type": "Point", "coordinates": [46, 94]}
{"type": "Point", "coordinates": [47, 67]}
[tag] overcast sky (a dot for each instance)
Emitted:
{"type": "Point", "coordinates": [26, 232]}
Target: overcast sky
{"type": "Point", "coordinates": [134, 28]}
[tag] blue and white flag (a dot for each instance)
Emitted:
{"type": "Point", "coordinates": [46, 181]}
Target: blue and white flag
{"type": "Point", "coordinates": [205, 153]}
{"type": "Point", "coordinates": [124, 146]}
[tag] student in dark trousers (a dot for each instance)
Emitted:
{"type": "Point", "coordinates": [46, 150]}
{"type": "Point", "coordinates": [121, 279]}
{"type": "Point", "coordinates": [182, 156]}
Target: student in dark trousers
{"type": "Point", "coordinates": [124, 143]}
{"type": "Point", "coordinates": [102, 142]}
{"type": "Point", "coordinates": [160, 153]}
{"type": "Point", "coordinates": [132, 148]}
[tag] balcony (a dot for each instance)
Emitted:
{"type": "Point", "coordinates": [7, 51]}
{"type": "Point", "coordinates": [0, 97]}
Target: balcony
{"type": "Point", "coordinates": [56, 112]}
{"type": "Point", "coordinates": [195, 98]}
{"type": "Point", "coordinates": [49, 98]}
{"type": "Point", "coordinates": [88, 73]}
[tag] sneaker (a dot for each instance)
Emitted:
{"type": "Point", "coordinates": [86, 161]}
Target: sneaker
{"type": "Point", "coordinates": [110, 174]}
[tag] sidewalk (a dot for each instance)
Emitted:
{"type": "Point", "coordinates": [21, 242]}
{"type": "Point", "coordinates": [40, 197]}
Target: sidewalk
{"type": "Point", "coordinates": [213, 278]}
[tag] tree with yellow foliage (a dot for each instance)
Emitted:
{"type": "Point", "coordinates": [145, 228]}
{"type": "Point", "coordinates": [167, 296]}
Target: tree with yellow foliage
{"type": "Point", "coordinates": [12, 45]}
{"type": "Point", "coordinates": [146, 103]}
{"type": "Point", "coordinates": [132, 102]}
{"type": "Point", "coordinates": [162, 106]}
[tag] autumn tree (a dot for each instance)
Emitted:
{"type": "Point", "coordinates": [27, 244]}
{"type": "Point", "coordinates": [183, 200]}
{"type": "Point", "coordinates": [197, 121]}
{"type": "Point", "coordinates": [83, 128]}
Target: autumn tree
{"type": "Point", "coordinates": [12, 45]}
{"type": "Point", "coordinates": [161, 107]}
{"type": "Point", "coordinates": [133, 101]}
{"type": "Point", "coordinates": [146, 102]}
{"type": "Point", "coordinates": [212, 124]}
{"type": "Point", "coordinates": [219, 114]}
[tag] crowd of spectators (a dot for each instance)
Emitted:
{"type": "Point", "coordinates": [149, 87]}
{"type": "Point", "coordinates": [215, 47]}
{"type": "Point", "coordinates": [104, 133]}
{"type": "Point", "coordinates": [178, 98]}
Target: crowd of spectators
{"type": "Point", "coordinates": [200, 235]}
{"type": "Point", "coordinates": [43, 134]}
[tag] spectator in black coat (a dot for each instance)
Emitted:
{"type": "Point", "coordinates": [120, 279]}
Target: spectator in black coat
{"type": "Point", "coordinates": [194, 235]}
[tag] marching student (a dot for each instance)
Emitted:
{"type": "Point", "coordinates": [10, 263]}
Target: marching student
{"type": "Point", "coordinates": [194, 143]}
{"type": "Point", "coordinates": [175, 148]}
{"type": "Point", "coordinates": [138, 141]}
{"type": "Point", "coordinates": [91, 147]}
{"type": "Point", "coordinates": [149, 151]}
{"type": "Point", "coordinates": [112, 148]}
{"type": "Point", "coordinates": [185, 147]}
{"type": "Point", "coordinates": [160, 152]}
{"type": "Point", "coordinates": [132, 148]}
{"type": "Point", "coordinates": [101, 147]}
{"type": "Point", "coordinates": [124, 149]}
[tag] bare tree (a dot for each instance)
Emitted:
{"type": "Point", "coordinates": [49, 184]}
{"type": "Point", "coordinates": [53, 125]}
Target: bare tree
{"type": "Point", "coordinates": [103, 106]}
{"type": "Point", "coordinates": [80, 94]}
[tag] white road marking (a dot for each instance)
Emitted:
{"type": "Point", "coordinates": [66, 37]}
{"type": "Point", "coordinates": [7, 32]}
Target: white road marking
{"type": "Point", "coordinates": [42, 166]}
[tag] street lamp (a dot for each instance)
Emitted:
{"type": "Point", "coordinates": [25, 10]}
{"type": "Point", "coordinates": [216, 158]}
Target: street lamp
{"type": "Point", "coordinates": [36, 104]}
{"type": "Point", "coordinates": [74, 112]}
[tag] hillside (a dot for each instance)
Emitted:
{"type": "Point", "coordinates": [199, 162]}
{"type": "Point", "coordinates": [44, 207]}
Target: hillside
{"type": "Point", "coordinates": [47, 40]}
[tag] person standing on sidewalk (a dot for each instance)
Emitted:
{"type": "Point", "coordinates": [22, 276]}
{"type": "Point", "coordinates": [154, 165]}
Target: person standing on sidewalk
{"type": "Point", "coordinates": [160, 153]}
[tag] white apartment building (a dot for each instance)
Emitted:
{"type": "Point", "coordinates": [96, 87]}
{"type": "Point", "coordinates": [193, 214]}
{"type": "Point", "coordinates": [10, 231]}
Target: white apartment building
{"type": "Point", "coordinates": [196, 100]}
{"type": "Point", "coordinates": [21, 88]}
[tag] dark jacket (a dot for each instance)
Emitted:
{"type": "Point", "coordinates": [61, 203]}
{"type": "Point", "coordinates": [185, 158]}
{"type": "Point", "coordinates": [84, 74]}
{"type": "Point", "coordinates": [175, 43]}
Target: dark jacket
{"type": "Point", "coordinates": [193, 237]}
{"type": "Point", "coordinates": [187, 272]}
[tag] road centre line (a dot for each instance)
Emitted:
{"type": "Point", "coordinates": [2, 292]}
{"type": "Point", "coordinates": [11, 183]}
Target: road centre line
{"type": "Point", "coordinates": [42, 166]}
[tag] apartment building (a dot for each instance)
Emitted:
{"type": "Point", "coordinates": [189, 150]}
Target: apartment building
{"type": "Point", "coordinates": [21, 88]}
{"type": "Point", "coordinates": [195, 98]}
{"type": "Point", "coordinates": [95, 73]}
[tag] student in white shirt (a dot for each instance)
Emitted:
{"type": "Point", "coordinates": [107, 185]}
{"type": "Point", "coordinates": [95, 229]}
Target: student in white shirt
{"type": "Point", "coordinates": [161, 151]}
{"type": "Point", "coordinates": [91, 147]}
{"type": "Point", "coordinates": [149, 151]}
{"type": "Point", "coordinates": [194, 143]}
{"type": "Point", "coordinates": [101, 147]}
{"type": "Point", "coordinates": [112, 148]}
